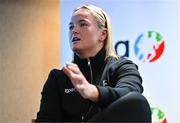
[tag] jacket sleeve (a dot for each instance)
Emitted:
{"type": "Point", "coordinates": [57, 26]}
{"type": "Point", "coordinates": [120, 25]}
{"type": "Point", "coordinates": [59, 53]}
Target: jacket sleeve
{"type": "Point", "coordinates": [123, 78]}
{"type": "Point", "coordinates": [50, 109]}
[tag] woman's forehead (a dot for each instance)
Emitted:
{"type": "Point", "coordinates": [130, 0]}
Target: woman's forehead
{"type": "Point", "coordinates": [82, 13]}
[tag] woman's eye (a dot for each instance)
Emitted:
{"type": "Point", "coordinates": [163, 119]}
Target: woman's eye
{"type": "Point", "coordinates": [71, 27]}
{"type": "Point", "coordinates": [83, 24]}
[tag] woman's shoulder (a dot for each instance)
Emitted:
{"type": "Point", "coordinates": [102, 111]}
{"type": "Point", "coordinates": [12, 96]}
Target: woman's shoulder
{"type": "Point", "coordinates": [56, 72]}
{"type": "Point", "coordinates": [120, 60]}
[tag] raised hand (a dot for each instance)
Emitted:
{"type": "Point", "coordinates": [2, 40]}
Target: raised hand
{"type": "Point", "coordinates": [86, 90]}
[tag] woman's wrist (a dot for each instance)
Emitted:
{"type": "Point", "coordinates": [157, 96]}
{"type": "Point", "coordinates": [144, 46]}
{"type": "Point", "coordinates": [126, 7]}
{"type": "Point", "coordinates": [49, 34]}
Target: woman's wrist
{"type": "Point", "coordinates": [94, 93]}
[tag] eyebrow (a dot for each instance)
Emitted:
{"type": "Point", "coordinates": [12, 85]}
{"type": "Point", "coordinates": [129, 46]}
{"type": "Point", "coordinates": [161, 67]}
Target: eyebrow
{"type": "Point", "coordinates": [82, 20]}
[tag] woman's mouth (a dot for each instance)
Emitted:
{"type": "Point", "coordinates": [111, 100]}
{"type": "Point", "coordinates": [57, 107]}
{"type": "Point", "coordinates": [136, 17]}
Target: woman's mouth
{"type": "Point", "coordinates": [75, 39]}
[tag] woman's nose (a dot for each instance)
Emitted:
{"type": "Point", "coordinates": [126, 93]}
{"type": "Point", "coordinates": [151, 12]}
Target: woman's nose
{"type": "Point", "coordinates": [75, 29]}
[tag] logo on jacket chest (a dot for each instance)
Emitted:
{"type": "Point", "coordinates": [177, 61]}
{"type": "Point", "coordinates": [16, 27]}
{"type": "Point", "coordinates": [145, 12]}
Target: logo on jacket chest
{"type": "Point", "coordinates": [69, 90]}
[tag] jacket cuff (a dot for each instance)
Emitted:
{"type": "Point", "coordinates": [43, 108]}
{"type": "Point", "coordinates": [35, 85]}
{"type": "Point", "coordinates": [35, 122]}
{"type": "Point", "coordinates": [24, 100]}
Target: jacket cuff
{"type": "Point", "coordinates": [103, 95]}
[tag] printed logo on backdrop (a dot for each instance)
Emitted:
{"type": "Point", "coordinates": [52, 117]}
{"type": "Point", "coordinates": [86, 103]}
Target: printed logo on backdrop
{"type": "Point", "coordinates": [158, 116]}
{"type": "Point", "coordinates": [148, 47]}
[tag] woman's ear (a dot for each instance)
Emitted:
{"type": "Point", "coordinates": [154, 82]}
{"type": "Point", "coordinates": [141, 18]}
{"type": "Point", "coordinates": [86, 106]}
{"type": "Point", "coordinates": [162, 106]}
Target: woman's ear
{"type": "Point", "coordinates": [103, 35]}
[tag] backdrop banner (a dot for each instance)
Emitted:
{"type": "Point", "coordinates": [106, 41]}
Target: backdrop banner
{"type": "Point", "coordinates": [148, 33]}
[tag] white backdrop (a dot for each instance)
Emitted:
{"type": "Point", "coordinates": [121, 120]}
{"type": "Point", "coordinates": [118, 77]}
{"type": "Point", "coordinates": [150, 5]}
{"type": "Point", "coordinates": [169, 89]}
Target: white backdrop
{"type": "Point", "coordinates": [130, 19]}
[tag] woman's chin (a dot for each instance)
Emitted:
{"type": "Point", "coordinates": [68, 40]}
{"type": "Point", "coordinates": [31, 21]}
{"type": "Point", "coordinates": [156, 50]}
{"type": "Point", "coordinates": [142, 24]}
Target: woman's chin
{"type": "Point", "coordinates": [76, 49]}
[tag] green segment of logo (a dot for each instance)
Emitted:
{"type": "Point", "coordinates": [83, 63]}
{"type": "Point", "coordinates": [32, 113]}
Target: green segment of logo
{"type": "Point", "coordinates": [158, 36]}
{"type": "Point", "coordinates": [160, 114]}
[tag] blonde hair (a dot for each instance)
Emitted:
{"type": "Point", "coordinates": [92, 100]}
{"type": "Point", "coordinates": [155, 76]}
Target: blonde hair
{"type": "Point", "coordinates": [103, 22]}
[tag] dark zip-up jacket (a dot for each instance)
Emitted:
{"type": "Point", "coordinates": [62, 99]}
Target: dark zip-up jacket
{"type": "Point", "coordinates": [113, 78]}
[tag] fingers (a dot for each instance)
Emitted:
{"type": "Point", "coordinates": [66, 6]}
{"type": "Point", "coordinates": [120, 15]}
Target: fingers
{"type": "Point", "coordinates": [69, 73]}
{"type": "Point", "coordinates": [73, 67]}
{"type": "Point", "coordinates": [77, 79]}
{"type": "Point", "coordinates": [73, 72]}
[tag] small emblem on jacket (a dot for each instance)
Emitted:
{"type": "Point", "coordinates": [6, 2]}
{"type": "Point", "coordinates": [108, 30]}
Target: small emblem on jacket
{"type": "Point", "coordinates": [105, 83]}
{"type": "Point", "coordinates": [69, 90]}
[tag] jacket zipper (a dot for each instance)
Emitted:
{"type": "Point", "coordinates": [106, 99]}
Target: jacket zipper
{"type": "Point", "coordinates": [91, 81]}
{"type": "Point", "coordinates": [89, 64]}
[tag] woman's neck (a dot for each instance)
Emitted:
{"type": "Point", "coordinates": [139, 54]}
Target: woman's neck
{"type": "Point", "coordinates": [88, 53]}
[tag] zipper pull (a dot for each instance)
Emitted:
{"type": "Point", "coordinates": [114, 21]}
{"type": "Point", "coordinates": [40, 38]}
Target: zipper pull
{"type": "Point", "coordinates": [89, 63]}
{"type": "Point", "coordinates": [82, 118]}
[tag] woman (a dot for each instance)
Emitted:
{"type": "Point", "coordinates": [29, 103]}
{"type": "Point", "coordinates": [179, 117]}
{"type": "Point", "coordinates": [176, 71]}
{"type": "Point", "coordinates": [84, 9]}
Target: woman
{"type": "Point", "coordinates": [98, 85]}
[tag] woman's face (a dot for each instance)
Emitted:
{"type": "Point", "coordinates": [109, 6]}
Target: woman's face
{"type": "Point", "coordinates": [86, 38]}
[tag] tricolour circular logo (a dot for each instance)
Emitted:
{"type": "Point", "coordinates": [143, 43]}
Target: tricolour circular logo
{"type": "Point", "coordinates": [149, 47]}
{"type": "Point", "coordinates": [158, 116]}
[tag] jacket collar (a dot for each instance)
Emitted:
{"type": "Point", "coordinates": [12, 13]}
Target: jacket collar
{"type": "Point", "coordinates": [96, 60]}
